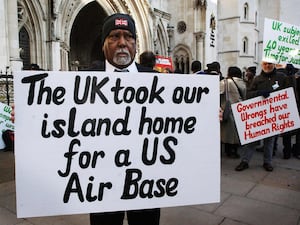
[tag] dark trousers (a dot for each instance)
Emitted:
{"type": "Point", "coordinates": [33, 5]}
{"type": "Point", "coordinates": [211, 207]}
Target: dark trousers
{"type": "Point", "coordinates": [134, 217]}
{"type": "Point", "coordinates": [287, 145]}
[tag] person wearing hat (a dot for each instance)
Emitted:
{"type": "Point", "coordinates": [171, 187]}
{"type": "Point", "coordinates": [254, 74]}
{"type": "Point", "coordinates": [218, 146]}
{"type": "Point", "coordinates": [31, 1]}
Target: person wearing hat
{"type": "Point", "coordinates": [119, 45]}
{"type": "Point", "coordinates": [269, 80]}
{"type": "Point", "coordinates": [119, 49]}
{"type": "Point", "coordinates": [214, 68]}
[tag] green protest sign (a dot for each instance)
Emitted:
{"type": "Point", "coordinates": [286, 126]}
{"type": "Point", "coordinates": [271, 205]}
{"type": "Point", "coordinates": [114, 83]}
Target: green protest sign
{"type": "Point", "coordinates": [5, 122]}
{"type": "Point", "coordinates": [281, 43]}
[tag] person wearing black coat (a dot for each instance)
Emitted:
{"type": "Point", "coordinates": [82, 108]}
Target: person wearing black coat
{"type": "Point", "coordinates": [119, 49]}
{"type": "Point", "coordinates": [269, 80]}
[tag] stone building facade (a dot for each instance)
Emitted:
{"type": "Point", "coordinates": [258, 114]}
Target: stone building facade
{"type": "Point", "coordinates": [65, 34]}
{"type": "Point", "coordinates": [241, 26]}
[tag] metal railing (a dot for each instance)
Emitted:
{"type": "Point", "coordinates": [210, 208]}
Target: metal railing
{"type": "Point", "coordinates": [6, 87]}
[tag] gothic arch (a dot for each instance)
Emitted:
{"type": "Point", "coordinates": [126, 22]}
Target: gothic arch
{"type": "Point", "coordinates": [246, 11]}
{"type": "Point", "coordinates": [245, 46]}
{"type": "Point", "coordinates": [70, 10]}
{"type": "Point", "coordinates": [30, 18]}
{"type": "Point", "coordinates": [24, 46]}
{"type": "Point", "coordinates": [85, 39]}
{"type": "Point", "coordinates": [182, 58]}
{"type": "Point", "coordinates": [140, 11]}
{"type": "Point", "coordinates": [161, 43]}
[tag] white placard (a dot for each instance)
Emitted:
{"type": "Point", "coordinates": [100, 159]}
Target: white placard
{"type": "Point", "coordinates": [96, 142]}
{"type": "Point", "coordinates": [281, 43]}
{"type": "Point", "coordinates": [260, 117]}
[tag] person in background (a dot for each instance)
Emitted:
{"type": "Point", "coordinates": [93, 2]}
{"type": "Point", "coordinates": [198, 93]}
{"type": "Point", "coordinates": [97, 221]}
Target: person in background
{"type": "Point", "coordinates": [248, 78]}
{"type": "Point", "coordinates": [249, 75]}
{"type": "Point", "coordinates": [147, 59]}
{"type": "Point", "coordinates": [279, 68]}
{"type": "Point", "coordinates": [34, 66]}
{"type": "Point", "coordinates": [296, 146]}
{"type": "Point", "coordinates": [196, 67]}
{"type": "Point", "coordinates": [119, 49]}
{"type": "Point", "coordinates": [268, 81]}
{"type": "Point", "coordinates": [214, 68]}
{"type": "Point", "coordinates": [290, 71]}
{"type": "Point", "coordinates": [236, 91]}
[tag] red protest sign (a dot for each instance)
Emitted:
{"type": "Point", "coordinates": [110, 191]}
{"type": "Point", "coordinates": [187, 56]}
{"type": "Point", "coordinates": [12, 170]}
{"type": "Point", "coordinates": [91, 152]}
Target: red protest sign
{"type": "Point", "coordinates": [259, 117]}
{"type": "Point", "coordinates": [164, 64]}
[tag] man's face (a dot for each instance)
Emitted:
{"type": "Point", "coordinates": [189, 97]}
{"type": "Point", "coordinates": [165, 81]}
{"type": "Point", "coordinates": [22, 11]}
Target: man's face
{"type": "Point", "coordinates": [267, 67]}
{"type": "Point", "coordinates": [119, 48]}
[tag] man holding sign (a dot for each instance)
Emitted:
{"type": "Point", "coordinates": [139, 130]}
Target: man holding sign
{"type": "Point", "coordinates": [277, 114]}
{"type": "Point", "coordinates": [268, 81]}
{"type": "Point", "coordinates": [119, 48]}
{"type": "Point", "coordinates": [115, 142]}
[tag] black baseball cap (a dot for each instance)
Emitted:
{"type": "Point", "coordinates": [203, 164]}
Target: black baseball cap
{"type": "Point", "coordinates": [118, 21]}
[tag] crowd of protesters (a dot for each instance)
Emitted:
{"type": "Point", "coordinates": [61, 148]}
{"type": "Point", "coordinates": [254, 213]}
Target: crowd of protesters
{"type": "Point", "coordinates": [238, 86]}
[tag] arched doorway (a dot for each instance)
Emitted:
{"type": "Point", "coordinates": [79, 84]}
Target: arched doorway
{"type": "Point", "coordinates": [181, 59]}
{"type": "Point", "coordinates": [24, 44]}
{"type": "Point", "coordinates": [85, 38]}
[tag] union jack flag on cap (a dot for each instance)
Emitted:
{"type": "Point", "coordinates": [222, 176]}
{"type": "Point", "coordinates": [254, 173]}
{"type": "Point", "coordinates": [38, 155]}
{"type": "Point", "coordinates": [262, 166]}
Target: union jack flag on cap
{"type": "Point", "coordinates": [121, 22]}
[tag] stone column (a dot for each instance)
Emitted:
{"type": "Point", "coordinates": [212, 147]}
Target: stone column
{"type": "Point", "coordinates": [200, 46]}
{"type": "Point", "coordinates": [13, 34]}
{"type": "Point", "coordinates": [54, 49]}
{"type": "Point", "coordinates": [4, 57]}
{"type": "Point", "coordinates": [170, 30]}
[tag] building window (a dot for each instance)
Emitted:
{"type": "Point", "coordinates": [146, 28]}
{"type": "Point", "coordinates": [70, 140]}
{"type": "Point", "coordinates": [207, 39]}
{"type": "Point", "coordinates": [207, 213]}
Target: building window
{"type": "Point", "coordinates": [245, 45]}
{"type": "Point", "coordinates": [256, 19]}
{"type": "Point", "coordinates": [246, 11]}
{"type": "Point", "coordinates": [255, 52]}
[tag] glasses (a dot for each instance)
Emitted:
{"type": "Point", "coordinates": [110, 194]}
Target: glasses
{"type": "Point", "coordinates": [116, 36]}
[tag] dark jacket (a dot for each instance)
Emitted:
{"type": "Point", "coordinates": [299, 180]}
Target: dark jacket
{"type": "Point", "coordinates": [298, 92]}
{"type": "Point", "coordinates": [265, 82]}
{"type": "Point", "coordinates": [100, 66]}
